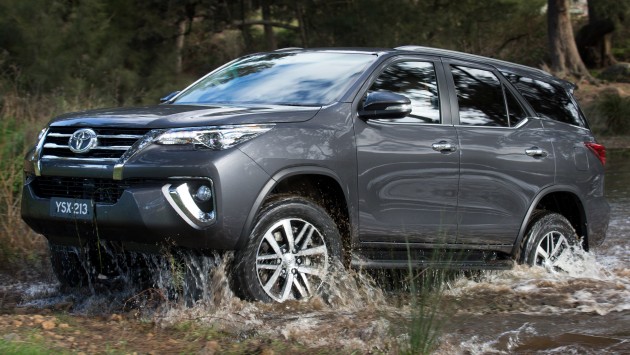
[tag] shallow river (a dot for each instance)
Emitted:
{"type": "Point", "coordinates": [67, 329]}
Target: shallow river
{"type": "Point", "coordinates": [528, 310]}
{"type": "Point", "coordinates": [524, 310]}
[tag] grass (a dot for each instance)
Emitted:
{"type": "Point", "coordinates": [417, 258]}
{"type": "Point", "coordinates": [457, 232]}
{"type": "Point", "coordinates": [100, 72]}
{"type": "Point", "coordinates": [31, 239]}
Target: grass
{"type": "Point", "coordinates": [609, 115]}
{"type": "Point", "coordinates": [21, 118]}
{"type": "Point", "coordinates": [424, 328]}
{"type": "Point", "coordinates": [33, 345]}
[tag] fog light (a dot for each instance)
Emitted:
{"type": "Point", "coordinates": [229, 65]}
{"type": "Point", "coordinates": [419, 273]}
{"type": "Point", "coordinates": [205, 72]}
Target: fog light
{"type": "Point", "coordinates": [203, 194]}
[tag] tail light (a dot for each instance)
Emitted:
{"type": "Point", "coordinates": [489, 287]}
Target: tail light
{"type": "Point", "coordinates": [599, 150]}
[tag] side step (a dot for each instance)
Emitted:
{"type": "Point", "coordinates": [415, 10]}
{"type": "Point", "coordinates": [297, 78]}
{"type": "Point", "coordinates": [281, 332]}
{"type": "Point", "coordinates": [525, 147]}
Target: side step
{"type": "Point", "coordinates": [416, 259]}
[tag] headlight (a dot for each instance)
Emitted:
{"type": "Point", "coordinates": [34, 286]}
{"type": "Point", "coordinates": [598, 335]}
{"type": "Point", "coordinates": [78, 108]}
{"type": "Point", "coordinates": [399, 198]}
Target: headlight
{"type": "Point", "coordinates": [216, 138]}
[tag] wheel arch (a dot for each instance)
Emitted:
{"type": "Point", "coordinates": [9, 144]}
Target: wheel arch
{"type": "Point", "coordinates": [564, 200]}
{"type": "Point", "coordinates": [317, 183]}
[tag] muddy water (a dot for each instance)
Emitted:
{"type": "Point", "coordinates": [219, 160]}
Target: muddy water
{"type": "Point", "coordinates": [530, 310]}
{"type": "Point", "coordinates": [524, 310]}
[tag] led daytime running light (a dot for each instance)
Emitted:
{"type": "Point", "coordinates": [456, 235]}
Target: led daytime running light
{"type": "Point", "coordinates": [216, 138]}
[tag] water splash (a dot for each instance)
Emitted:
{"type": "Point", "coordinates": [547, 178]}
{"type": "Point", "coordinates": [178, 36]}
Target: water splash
{"type": "Point", "coordinates": [585, 286]}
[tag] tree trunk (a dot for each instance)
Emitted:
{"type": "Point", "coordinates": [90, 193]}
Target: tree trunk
{"type": "Point", "coordinates": [565, 59]}
{"type": "Point", "coordinates": [179, 45]}
{"type": "Point", "coordinates": [266, 15]}
{"type": "Point", "coordinates": [300, 17]}
{"type": "Point", "coordinates": [594, 39]}
{"type": "Point", "coordinates": [247, 36]}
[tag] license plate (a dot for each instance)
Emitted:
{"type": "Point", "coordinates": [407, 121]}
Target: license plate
{"type": "Point", "coordinates": [71, 208]}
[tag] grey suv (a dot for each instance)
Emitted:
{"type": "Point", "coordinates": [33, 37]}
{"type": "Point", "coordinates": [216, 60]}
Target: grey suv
{"type": "Point", "coordinates": [298, 158]}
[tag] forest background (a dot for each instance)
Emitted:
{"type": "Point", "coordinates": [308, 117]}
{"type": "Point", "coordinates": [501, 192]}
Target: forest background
{"type": "Point", "coordinates": [66, 55]}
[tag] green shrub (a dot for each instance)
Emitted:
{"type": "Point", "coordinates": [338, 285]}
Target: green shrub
{"type": "Point", "coordinates": [611, 114]}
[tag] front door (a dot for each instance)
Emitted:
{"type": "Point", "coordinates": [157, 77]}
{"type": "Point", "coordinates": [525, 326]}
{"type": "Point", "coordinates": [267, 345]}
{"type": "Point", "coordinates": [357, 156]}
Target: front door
{"type": "Point", "coordinates": [408, 168]}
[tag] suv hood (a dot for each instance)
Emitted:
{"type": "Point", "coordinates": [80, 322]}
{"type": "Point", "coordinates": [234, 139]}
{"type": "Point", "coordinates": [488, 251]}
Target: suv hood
{"type": "Point", "coordinates": [174, 116]}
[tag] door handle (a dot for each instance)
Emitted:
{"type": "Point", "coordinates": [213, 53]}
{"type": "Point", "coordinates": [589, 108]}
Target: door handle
{"type": "Point", "coordinates": [443, 146]}
{"type": "Point", "coordinates": [535, 152]}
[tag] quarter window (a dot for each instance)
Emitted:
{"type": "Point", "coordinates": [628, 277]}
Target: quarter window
{"type": "Point", "coordinates": [416, 81]}
{"type": "Point", "coordinates": [548, 100]}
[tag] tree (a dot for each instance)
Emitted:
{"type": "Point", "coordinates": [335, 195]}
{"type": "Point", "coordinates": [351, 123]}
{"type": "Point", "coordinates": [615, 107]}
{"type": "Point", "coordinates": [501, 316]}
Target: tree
{"type": "Point", "coordinates": [565, 58]}
{"type": "Point", "coordinates": [594, 40]}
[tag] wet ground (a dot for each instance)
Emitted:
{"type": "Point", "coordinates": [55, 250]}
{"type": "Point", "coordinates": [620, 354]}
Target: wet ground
{"type": "Point", "coordinates": [530, 310]}
{"type": "Point", "coordinates": [524, 310]}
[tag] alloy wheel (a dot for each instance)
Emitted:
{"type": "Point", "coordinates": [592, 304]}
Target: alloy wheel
{"type": "Point", "coordinates": [553, 251]}
{"type": "Point", "coordinates": [291, 260]}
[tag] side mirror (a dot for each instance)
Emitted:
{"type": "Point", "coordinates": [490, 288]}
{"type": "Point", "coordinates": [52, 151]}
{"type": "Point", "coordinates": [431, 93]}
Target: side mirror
{"type": "Point", "coordinates": [168, 97]}
{"type": "Point", "coordinates": [385, 104]}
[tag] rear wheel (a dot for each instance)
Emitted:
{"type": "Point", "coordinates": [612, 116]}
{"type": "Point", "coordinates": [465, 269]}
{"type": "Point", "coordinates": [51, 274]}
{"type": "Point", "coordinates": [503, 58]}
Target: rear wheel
{"type": "Point", "coordinates": [291, 248]}
{"type": "Point", "coordinates": [551, 242]}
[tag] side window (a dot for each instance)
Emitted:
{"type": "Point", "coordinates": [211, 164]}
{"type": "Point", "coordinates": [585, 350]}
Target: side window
{"type": "Point", "coordinates": [480, 97]}
{"type": "Point", "coordinates": [417, 81]}
{"type": "Point", "coordinates": [548, 100]}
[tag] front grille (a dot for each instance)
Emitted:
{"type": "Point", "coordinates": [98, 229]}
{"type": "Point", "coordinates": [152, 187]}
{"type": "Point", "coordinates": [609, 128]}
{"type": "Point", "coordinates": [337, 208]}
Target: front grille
{"type": "Point", "coordinates": [112, 144]}
{"type": "Point", "coordinates": [98, 190]}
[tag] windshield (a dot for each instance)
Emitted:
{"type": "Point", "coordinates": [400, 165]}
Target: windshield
{"type": "Point", "coordinates": [301, 79]}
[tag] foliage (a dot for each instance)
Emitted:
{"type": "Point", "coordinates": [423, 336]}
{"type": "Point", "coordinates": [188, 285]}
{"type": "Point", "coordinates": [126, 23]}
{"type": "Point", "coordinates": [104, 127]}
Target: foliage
{"type": "Point", "coordinates": [130, 52]}
{"type": "Point", "coordinates": [427, 289]}
{"type": "Point", "coordinates": [31, 347]}
{"type": "Point", "coordinates": [614, 110]}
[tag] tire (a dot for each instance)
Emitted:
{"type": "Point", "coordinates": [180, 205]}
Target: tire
{"type": "Point", "coordinates": [550, 241]}
{"type": "Point", "coordinates": [67, 265]}
{"type": "Point", "coordinates": [289, 252]}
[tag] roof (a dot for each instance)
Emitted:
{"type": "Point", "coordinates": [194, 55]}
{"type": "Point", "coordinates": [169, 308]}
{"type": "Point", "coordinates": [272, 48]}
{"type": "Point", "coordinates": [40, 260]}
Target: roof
{"type": "Point", "coordinates": [501, 64]}
{"type": "Point", "coordinates": [514, 68]}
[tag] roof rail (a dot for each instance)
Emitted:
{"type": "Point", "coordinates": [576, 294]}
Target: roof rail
{"type": "Point", "coordinates": [287, 49]}
{"type": "Point", "coordinates": [437, 51]}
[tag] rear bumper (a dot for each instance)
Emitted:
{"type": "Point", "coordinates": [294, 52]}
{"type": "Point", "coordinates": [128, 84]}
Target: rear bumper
{"type": "Point", "coordinates": [598, 216]}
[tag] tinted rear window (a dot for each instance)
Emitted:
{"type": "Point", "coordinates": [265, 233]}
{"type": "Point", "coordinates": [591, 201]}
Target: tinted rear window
{"type": "Point", "coordinates": [548, 100]}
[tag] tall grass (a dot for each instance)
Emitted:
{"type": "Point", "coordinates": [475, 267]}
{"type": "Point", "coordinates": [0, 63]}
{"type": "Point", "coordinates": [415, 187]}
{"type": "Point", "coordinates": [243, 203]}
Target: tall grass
{"type": "Point", "coordinates": [429, 311]}
{"type": "Point", "coordinates": [21, 118]}
{"type": "Point", "coordinates": [610, 115]}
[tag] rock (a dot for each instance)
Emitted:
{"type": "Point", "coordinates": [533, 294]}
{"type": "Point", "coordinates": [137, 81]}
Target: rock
{"type": "Point", "coordinates": [619, 72]}
{"type": "Point", "coordinates": [267, 351]}
{"type": "Point", "coordinates": [212, 347]}
{"type": "Point", "coordinates": [64, 326]}
{"type": "Point", "coordinates": [48, 325]}
{"type": "Point", "coordinates": [17, 323]}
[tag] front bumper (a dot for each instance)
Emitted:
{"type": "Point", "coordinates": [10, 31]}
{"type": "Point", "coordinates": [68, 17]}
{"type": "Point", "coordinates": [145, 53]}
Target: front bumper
{"type": "Point", "coordinates": [153, 214]}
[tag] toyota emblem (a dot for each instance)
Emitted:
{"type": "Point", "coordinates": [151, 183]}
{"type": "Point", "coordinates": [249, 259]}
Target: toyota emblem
{"type": "Point", "coordinates": [82, 141]}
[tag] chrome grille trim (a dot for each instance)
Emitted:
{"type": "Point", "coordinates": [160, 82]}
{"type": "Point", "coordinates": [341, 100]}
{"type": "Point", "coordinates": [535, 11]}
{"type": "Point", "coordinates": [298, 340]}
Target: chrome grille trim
{"type": "Point", "coordinates": [137, 147]}
{"type": "Point", "coordinates": [110, 149]}
{"type": "Point", "coordinates": [98, 160]}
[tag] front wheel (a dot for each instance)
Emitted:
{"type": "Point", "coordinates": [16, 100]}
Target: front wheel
{"type": "Point", "coordinates": [69, 266]}
{"type": "Point", "coordinates": [290, 250]}
{"type": "Point", "coordinates": [551, 242]}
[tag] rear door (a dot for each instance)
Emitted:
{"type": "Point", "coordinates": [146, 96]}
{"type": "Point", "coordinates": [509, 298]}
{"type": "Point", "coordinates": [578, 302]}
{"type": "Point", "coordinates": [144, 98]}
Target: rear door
{"type": "Point", "coordinates": [506, 158]}
{"type": "Point", "coordinates": [408, 168]}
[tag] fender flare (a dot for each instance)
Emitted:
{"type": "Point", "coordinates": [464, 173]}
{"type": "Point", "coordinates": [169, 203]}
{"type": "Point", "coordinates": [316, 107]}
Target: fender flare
{"type": "Point", "coordinates": [541, 194]}
{"type": "Point", "coordinates": [273, 182]}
